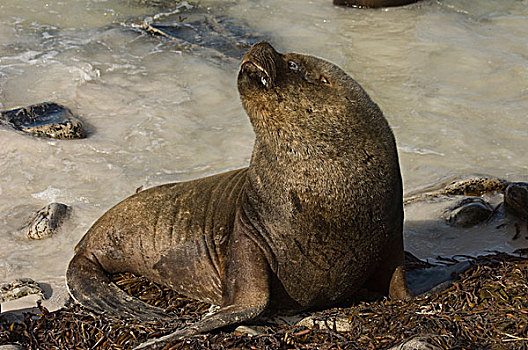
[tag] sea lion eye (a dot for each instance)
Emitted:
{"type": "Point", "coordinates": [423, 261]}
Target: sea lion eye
{"type": "Point", "coordinates": [264, 81]}
{"type": "Point", "coordinates": [293, 66]}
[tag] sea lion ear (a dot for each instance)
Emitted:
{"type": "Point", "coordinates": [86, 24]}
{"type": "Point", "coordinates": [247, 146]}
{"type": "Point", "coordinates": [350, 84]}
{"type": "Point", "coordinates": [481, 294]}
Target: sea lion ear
{"type": "Point", "coordinates": [325, 80]}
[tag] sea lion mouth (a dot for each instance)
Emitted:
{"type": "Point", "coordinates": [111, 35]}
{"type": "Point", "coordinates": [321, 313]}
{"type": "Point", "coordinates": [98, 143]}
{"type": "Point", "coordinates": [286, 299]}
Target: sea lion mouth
{"type": "Point", "coordinates": [261, 63]}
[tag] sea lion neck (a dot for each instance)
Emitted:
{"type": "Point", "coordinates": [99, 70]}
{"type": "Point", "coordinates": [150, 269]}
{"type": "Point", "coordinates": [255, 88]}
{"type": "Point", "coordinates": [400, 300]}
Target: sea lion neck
{"type": "Point", "coordinates": [312, 123]}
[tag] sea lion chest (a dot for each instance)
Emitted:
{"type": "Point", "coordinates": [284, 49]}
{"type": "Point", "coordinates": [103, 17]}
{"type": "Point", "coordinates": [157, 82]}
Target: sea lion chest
{"type": "Point", "coordinates": [318, 241]}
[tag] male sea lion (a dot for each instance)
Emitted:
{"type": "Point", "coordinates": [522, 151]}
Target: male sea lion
{"type": "Point", "coordinates": [373, 3]}
{"type": "Point", "coordinates": [314, 219]}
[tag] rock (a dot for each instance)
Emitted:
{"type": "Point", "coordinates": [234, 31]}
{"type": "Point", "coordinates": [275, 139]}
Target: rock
{"type": "Point", "coordinates": [11, 347]}
{"type": "Point", "coordinates": [193, 26]}
{"type": "Point", "coordinates": [476, 186]}
{"type": "Point", "coordinates": [468, 212]}
{"type": "Point", "coordinates": [516, 199]}
{"type": "Point", "coordinates": [252, 330]}
{"type": "Point", "coordinates": [46, 221]}
{"type": "Point", "coordinates": [434, 279]}
{"type": "Point", "coordinates": [413, 263]}
{"type": "Point", "coordinates": [19, 296]}
{"type": "Point", "coordinates": [417, 343]}
{"type": "Point", "coordinates": [14, 310]}
{"type": "Point", "coordinates": [47, 119]}
{"type": "Point", "coordinates": [18, 289]}
{"type": "Point", "coordinates": [336, 323]}
{"type": "Point", "coordinates": [424, 278]}
{"type": "Point", "coordinates": [486, 213]}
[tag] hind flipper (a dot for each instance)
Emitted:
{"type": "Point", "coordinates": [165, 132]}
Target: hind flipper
{"type": "Point", "coordinates": [89, 286]}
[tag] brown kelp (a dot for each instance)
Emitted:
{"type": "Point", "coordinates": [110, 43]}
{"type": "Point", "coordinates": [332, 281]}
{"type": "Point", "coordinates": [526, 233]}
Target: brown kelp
{"type": "Point", "coordinates": [486, 308]}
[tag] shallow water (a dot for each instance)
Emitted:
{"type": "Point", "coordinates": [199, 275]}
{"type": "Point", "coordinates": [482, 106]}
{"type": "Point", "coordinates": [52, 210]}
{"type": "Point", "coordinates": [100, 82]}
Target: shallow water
{"type": "Point", "coordinates": [451, 77]}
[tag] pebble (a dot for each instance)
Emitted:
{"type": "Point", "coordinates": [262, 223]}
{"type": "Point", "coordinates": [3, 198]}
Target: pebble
{"type": "Point", "coordinates": [417, 343]}
{"type": "Point", "coordinates": [11, 347]}
{"type": "Point", "coordinates": [18, 289]}
{"type": "Point", "coordinates": [334, 323]}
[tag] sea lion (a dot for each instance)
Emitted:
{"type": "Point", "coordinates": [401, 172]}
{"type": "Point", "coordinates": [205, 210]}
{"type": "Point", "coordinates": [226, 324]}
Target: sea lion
{"type": "Point", "coordinates": [315, 218]}
{"type": "Point", "coordinates": [373, 3]}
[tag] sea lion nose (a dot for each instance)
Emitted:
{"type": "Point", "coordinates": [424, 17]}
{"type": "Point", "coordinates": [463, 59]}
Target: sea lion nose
{"type": "Point", "coordinates": [264, 58]}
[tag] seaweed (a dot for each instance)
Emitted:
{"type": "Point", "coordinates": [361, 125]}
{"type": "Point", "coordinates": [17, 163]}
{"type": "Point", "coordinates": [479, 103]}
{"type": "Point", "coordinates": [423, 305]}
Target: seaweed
{"type": "Point", "coordinates": [486, 308]}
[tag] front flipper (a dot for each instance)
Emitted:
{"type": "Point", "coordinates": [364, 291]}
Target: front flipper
{"type": "Point", "coordinates": [388, 278]}
{"type": "Point", "coordinates": [226, 316]}
{"type": "Point", "coordinates": [246, 293]}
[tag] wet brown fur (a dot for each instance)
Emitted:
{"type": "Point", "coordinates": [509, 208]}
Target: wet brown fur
{"type": "Point", "coordinates": [314, 220]}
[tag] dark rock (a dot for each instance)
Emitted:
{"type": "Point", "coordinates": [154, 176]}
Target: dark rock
{"type": "Point", "coordinates": [468, 212]}
{"type": "Point", "coordinates": [47, 119]}
{"type": "Point", "coordinates": [516, 199]}
{"type": "Point", "coordinates": [197, 27]}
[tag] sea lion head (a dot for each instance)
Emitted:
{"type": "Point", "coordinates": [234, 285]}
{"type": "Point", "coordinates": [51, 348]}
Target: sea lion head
{"type": "Point", "coordinates": [304, 102]}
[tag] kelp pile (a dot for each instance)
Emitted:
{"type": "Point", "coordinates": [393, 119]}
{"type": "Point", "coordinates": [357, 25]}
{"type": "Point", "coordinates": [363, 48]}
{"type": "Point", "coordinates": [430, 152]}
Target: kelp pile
{"type": "Point", "coordinates": [487, 308]}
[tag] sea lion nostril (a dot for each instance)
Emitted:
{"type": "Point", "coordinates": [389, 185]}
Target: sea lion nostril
{"type": "Point", "coordinates": [266, 59]}
{"type": "Point", "coordinates": [249, 67]}
{"type": "Point", "coordinates": [255, 72]}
